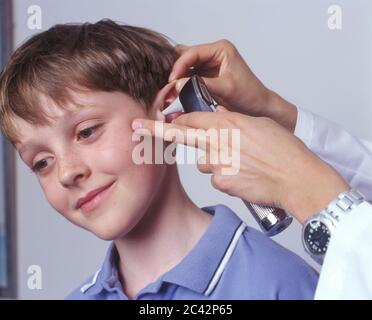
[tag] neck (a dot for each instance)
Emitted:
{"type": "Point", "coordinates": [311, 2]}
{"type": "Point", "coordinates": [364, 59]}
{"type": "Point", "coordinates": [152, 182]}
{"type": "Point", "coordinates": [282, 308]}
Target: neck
{"type": "Point", "coordinates": [170, 228]}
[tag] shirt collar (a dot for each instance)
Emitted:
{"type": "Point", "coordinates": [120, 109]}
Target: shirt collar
{"type": "Point", "coordinates": [199, 270]}
{"type": "Point", "coordinates": [107, 277]}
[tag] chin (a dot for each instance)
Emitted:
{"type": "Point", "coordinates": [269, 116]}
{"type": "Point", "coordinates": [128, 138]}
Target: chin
{"type": "Point", "coordinates": [109, 234]}
{"type": "Point", "coordinates": [114, 229]}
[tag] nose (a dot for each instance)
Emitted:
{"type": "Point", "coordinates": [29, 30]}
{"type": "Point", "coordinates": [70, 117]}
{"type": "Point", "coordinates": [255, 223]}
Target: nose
{"type": "Point", "coordinates": [72, 170]}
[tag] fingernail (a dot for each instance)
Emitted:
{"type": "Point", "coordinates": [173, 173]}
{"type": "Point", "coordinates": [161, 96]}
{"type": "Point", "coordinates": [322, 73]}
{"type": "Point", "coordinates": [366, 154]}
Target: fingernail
{"type": "Point", "coordinates": [136, 125]}
{"type": "Point", "coordinates": [180, 83]}
{"type": "Point", "coordinates": [171, 76]}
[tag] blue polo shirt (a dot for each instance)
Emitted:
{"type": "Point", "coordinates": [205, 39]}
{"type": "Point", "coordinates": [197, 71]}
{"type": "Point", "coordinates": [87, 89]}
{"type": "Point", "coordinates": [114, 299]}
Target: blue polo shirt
{"type": "Point", "coordinates": [230, 261]}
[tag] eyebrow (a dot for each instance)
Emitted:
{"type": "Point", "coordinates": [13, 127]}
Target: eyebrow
{"type": "Point", "coordinates": [70, 115]}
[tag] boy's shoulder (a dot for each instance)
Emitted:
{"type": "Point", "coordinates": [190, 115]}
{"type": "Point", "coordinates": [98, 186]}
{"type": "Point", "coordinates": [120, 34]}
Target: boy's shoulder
{"type": "Point", "coordinates": [267, 250]}
{"type": "Point", "coordinates": [267, 265]}
{"type": "Point", "coordinates": [259, 267]}
{"type": "Point", "coordinates": [257, 246]}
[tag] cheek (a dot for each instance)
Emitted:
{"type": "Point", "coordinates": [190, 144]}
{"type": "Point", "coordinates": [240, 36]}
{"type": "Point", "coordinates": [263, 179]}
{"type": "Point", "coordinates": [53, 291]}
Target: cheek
{"type": "Point", "coordinates": [115, 158]}
{"type": "Point", "coordinates": [114, 153]}
{"type": "Point", "coordinates": [56, 196]}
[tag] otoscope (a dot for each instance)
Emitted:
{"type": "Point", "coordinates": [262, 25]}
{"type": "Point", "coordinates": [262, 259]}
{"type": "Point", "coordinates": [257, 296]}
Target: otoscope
{"type": "Point", "coordinates": [195, 96]}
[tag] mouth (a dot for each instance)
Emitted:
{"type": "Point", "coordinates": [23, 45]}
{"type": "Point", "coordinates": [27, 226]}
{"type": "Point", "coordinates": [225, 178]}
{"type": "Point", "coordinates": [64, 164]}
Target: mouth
{"type": "Point", "coordinates": [97, 200]}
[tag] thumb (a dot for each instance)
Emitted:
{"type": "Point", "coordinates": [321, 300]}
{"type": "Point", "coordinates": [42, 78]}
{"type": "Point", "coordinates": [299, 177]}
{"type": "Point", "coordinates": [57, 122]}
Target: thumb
{"type": "Point", "coordinates": [170, 117]}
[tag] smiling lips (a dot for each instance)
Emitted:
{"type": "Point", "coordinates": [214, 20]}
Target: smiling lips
{"type": "Point", "coordinates": [94, 198]}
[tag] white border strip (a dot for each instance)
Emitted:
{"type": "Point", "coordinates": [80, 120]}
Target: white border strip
{"type": "Point", "coordinates": [88, 285]}
{"type": "Point", "coordinates": [225, 259]}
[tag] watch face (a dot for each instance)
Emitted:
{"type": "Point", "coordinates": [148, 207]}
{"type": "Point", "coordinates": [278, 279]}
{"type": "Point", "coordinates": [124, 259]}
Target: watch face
{"type": "Point", "coordinates": [316, 237]}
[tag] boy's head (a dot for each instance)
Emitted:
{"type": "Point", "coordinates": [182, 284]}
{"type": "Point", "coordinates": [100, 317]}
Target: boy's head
{"type": "Point", "coordinates": [67, 99]}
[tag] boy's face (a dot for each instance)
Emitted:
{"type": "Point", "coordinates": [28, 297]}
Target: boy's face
{"type": "Point", "coordinates": [73, 162]}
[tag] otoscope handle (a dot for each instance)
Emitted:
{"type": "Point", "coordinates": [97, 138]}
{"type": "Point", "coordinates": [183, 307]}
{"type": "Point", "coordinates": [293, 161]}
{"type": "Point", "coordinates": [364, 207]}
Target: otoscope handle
{"type": "Point", "coordinates": [271, 220]}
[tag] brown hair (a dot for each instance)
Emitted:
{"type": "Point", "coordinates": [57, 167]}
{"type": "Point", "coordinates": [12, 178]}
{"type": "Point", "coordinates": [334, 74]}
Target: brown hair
{"type": "Point", "coordinates": [101, 56]}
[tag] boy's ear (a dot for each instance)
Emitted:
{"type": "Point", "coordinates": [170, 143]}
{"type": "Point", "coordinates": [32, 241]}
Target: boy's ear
{"type": "Point", "coordinates": [163, 99]}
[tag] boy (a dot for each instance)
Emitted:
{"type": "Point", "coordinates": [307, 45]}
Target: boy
{"type": "Point", "coordinates": [67, 100]}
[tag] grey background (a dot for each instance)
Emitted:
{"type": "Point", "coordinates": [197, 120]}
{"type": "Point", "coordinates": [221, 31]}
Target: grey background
{"type": "Point", "coordinates": [3, 257]}
{"type": "Point", "coordinates": [3, 221]}
{"type": "Point", "coordinates": [287, 44]}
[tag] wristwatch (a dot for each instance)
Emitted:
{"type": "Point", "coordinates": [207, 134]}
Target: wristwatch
{"type": "Point", "coordinates": [318, 230]}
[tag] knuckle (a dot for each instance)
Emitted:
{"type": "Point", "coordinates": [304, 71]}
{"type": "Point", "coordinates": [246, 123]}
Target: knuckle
{"type": "Point", "coordinates": [215, 181]}
{"type": "Point", "coordinates": [220, 182]}
{"type": "Point", "coordinates": [228, 46]}
{"type": "Point", "coordinates": [223, 122]}
{"type": "Point", "coordinates": [233, 120]}
{"type": "Point", "coordinates": [202, 167]}
{"type": "Point", "coordinates": [266, 121]}
{"type": "Point", "coordinates": [182, 119]}
{"type": "Point", "coordinates": [226, 43]}
{"type": "Point", "coordinates": [228, 121]}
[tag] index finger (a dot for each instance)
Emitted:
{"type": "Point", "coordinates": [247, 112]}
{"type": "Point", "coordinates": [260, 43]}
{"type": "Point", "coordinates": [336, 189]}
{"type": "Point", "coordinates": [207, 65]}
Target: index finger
{"type": "Point", "coordinates": [193, 56]}
{"type": "Point", "coordinates": [204, 120]}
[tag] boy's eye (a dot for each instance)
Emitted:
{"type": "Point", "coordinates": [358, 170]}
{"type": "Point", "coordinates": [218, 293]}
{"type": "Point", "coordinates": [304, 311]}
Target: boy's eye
{"type": "Point", "coordinates": [39, 165]}
{"type": "Point", "coordinates": [85, 133]}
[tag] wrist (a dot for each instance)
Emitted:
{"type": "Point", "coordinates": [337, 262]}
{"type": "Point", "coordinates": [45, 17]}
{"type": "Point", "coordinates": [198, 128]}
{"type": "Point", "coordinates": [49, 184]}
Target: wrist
{"type": "Point", "coordinates": [280, 110]}
{"type": "Point", "coordinates": [314, 190]}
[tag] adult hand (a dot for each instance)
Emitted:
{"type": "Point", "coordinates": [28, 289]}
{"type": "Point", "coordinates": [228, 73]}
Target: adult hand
{"type": "Point", "coordinates": [231, 81]}
{"type": "Point", "coordinates": [275, 167]}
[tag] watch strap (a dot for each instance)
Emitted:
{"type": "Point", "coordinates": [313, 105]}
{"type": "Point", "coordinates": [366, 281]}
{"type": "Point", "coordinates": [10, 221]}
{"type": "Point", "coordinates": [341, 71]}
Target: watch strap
{"type": "Point", "coordinates": [343, 204]}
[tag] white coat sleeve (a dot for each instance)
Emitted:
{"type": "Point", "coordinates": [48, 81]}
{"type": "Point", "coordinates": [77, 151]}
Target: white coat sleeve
{"type": "Point", "coordinates": [350, 156]}
{"type": "Point", "coordinates": [347, 269]}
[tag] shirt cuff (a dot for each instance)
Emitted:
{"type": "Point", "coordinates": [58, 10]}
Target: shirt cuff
{"type": "Point", "coordinates": [304, 126]}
